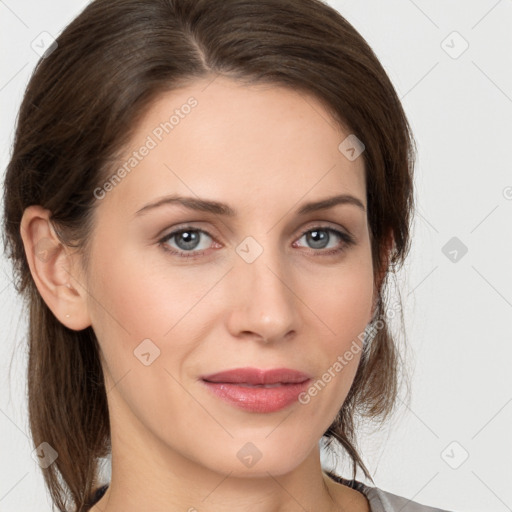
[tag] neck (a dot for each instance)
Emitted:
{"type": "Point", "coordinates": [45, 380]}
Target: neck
{"type": "Point", "coordinates": [155, 478]}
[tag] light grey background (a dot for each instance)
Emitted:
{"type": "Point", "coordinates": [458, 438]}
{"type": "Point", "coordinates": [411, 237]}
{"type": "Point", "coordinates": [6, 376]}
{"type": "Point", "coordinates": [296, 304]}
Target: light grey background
{"type": "Point", "coordinates": [457, 312]}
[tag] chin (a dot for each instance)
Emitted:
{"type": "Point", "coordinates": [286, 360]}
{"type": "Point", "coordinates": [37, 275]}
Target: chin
{"type": "Point", "coordinates": [259, 458]}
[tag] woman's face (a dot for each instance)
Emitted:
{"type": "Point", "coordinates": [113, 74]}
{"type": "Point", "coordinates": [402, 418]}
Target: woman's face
{"type": "Point", "coordinates": [231, 291]}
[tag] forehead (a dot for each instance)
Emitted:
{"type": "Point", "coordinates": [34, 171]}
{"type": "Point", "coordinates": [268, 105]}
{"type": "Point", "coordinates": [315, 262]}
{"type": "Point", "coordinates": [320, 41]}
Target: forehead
{"type": "Point", "coordinates": [255, 146]}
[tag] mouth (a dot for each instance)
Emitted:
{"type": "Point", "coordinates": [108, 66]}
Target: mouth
{"type": "Point", "coordinates": [255, 390]}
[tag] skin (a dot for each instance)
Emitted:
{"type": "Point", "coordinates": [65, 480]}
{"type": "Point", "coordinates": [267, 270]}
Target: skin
{"type": "Point", "coordinates": [265, 151]}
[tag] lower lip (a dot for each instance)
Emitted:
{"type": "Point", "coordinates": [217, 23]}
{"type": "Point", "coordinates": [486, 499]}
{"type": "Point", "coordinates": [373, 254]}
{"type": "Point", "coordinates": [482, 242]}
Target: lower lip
{"type": "Point", "coordinates": [258, 399]}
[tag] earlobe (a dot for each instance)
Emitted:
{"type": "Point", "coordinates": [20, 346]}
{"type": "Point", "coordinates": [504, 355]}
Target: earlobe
{"type": "Point", "coordinates": [53, 269]}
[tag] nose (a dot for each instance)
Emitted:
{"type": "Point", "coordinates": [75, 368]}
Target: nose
{"type": "Point", "coordinates": [263, 305]}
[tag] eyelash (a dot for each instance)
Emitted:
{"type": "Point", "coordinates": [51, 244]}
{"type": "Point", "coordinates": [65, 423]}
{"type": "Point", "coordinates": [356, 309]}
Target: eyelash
{"type": "Point", "coordinates": [345, 237]}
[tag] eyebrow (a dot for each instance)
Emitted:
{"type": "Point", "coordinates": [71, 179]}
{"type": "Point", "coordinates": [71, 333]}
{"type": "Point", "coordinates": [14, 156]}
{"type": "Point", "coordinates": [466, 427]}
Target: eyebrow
{"type": "Point", "coordinates": [217, 208]}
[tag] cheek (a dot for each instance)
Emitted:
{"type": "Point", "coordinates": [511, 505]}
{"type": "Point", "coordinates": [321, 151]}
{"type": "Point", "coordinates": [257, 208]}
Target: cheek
{"type": "Point", "coordinates": [342, 307]}
{"type": "Point", "coordinates": [142, 320]}
{"type": "Point", "coordinates": [139, 298]}
{"type": "Point", "coordinates": [148, 318]}
{"type": "Point", "coordinates": [341, 298]}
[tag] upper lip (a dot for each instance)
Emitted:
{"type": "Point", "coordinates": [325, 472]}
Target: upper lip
{"type": "Point", "coordinates": [258, 376]}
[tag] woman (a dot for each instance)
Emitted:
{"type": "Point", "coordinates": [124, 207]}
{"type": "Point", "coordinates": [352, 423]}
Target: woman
{"type": "Point", "coordinates": [203, 204]}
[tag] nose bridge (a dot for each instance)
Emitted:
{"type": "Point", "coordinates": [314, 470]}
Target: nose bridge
{"type": "Point", "coordinates": [265, 301]}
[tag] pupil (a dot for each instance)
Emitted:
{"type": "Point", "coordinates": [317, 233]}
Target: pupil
{"type": "Point", "coordinates": [190, 243]}
{"type": "Point", "coordinates": [321, 237]}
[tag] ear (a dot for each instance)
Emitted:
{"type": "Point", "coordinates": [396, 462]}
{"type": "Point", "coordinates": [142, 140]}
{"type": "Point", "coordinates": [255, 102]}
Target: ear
{"type": "Point", "coordinates": [381, 273]}
{"type": "Point", "coordinates": [54, 269]}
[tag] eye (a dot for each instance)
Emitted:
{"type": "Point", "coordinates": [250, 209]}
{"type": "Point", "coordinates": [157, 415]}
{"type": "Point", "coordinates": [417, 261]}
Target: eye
{"type": "Point", "coordinates": [187, 241]}
{"type": "Point", "coordinates": [320, 236]}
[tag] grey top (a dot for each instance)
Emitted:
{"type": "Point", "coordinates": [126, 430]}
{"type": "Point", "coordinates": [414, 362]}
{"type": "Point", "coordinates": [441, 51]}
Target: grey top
{"type": "Point", "coordinates": [383, 501]}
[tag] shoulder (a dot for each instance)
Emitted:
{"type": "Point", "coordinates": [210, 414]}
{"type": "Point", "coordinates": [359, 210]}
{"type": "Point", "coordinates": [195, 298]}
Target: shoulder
{"type": "Point", "coordinates": [389, 502]}
{"type": "Point", "coordinates": [384, 501]}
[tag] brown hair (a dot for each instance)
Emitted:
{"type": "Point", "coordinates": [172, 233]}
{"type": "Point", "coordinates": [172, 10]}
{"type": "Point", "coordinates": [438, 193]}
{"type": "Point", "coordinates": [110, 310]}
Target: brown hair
{"type": "Point", "coordinates": [80, 108]}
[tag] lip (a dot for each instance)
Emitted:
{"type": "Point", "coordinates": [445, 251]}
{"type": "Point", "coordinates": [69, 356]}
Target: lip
{"type": "Point", "coordinates": [243, 387]}
{"type": "Point", "coordinates": [256, 376]}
